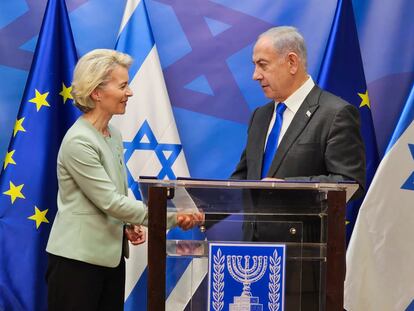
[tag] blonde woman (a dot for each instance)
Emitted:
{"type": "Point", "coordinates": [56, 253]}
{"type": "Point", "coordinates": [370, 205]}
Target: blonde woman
{"type": "Point", "coordinates": [88, 241]}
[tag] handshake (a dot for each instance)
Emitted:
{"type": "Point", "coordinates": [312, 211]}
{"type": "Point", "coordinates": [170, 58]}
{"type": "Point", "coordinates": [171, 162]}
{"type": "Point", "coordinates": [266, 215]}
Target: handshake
{"type": "Point", "coordinates": [187, 220]}
{"type": "Point", "coordinates": [136, 234]}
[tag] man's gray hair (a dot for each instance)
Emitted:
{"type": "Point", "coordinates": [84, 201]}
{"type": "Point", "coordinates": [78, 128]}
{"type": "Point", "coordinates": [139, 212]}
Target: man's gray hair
{"type": "Point", "coordinates": [287, 39]}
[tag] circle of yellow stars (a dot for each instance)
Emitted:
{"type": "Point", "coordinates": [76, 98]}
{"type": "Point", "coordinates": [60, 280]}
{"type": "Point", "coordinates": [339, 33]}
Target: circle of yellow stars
{"type": "Point", "coordinates": [16, 191]}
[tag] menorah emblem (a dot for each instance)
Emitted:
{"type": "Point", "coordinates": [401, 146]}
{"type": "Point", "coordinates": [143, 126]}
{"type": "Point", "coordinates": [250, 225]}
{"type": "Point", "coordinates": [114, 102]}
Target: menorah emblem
{"type": "Point", "coordinates": [246, 275]}
{"type": "Point", "coordinates": [248, 264]}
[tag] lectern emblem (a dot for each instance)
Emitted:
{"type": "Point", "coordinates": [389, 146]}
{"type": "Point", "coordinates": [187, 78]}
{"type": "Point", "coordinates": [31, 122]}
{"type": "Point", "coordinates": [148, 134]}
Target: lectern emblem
{"type": "Point", "coordinates": [246, 277]}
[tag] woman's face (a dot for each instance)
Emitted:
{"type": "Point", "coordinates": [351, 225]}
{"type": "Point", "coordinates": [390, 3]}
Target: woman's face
{"type": "Point", "coordinates": [113, 96]}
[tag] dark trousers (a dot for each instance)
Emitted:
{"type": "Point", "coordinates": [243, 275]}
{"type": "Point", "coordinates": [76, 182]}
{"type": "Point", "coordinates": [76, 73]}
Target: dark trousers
{"type": "Point", "coordinates": [76, 285]}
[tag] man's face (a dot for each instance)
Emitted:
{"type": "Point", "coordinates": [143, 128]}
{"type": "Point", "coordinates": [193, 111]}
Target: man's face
{"type": "Point", "coordinates": [272, 71]}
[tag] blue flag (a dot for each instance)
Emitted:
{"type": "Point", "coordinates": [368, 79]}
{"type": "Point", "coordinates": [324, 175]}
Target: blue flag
{"type": "Point", "coordinates": [342, 73]}
{"type": "Point", "coordinates": [28, 184]}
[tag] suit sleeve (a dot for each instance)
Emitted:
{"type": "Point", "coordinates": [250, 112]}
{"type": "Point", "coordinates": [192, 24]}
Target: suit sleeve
{"type": "Point", "coordinates": [241, 169]}
{"type": "Point", "coordinates": [344, 155]}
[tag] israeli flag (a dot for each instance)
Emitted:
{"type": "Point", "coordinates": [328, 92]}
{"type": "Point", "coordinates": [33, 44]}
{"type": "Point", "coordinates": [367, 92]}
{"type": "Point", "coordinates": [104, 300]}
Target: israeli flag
{"type": "Point", "coordinates": [380, 256]}
{"type": "Point", "coordinates": [152, 148]}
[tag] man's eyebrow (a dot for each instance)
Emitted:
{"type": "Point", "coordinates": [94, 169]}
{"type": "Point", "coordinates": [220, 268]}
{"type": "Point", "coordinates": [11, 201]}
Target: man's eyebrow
{"type": "Point", "coordinates": [260, 60]}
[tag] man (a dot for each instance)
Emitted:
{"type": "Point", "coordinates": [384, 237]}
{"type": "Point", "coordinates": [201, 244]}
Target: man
{"type": "Point", "coordinates": [303, 134]}
{"type": "Point", "coordinates": [319, 138]}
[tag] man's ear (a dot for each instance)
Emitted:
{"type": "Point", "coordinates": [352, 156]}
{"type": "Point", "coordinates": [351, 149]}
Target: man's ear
{"type": "Point", "coordinates": [293, 62]}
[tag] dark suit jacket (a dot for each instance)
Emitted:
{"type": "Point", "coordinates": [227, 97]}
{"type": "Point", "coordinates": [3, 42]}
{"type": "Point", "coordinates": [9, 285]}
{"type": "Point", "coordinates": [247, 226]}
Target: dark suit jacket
{"type": "Point", "coordinates": [322, 144]}
{"type": "Point", "coordinates": [325, 146]}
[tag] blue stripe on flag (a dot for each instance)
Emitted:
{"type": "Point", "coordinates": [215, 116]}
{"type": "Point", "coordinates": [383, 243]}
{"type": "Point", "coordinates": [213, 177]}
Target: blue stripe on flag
{"type": "Point", "coordinates": [407, 116]}
{"type": "Point", "coordinates": [141, 42]}
{"type": "Point", "coordinates": [137, 300]}
{"type": "Point", "coordinates": [410, 307]}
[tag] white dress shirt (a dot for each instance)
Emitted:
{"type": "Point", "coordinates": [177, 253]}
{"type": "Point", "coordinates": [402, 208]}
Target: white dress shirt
{"type": "Point", "coordinates": [292, 103]}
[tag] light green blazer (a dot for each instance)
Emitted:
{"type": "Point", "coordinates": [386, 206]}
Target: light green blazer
{"type": "Point", "coordinates": [92, 200]}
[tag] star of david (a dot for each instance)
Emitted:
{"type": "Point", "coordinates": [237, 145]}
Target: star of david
{"type": "Point", "coordinates": [166, 154]}
{"type": "Point", "coordinates": [14, 56]}
{"type": "Point", "coordinates": [409, 183]}
{"type": "Point", "coordinates": [208, 53]}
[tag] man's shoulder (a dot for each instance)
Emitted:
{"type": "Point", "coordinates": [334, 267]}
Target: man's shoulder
{"type": "Point", "coordinates": [326, 100]}
{"type": "Point", "coordinates": [331, 100]}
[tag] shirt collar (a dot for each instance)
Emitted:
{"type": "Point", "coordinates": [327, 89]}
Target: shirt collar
{"type": "Point", "coordinates": [296, 99]}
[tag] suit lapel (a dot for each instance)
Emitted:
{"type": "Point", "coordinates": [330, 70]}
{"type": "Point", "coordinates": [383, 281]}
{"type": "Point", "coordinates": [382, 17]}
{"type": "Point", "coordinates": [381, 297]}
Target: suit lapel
{"type": "Point", "coordinates": [296, 127]}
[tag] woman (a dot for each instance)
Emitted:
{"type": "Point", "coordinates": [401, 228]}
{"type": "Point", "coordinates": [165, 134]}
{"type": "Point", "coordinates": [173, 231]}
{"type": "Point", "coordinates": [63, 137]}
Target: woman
{"type": "Point", "coordinates": [86, 269]}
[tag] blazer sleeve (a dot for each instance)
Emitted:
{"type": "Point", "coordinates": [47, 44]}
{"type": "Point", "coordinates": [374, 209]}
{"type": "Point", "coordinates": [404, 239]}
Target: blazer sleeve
{"type": "Point", "coordinates": [82, 161]}
{"type": "Point", "coordinates": [171, 216]}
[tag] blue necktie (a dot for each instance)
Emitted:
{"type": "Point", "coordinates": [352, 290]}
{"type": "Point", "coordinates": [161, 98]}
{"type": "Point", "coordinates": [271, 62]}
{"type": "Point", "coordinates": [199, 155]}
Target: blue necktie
{"type": "Point", "coordinates": [272, 140]}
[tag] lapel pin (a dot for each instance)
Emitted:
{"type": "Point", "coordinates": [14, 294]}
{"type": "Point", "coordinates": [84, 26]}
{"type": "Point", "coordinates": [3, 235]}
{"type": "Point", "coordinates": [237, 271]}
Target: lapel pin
{"type": "Point", "coordinates": [308, 113]}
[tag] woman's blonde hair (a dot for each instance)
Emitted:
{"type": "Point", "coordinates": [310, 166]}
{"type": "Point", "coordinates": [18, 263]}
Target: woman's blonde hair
{"type": "Point", "coordinates": [93, 70]}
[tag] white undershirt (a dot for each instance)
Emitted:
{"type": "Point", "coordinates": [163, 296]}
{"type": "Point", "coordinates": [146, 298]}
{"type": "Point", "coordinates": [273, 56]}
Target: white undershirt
{"type": "Point", "coordinates": [292, 103]}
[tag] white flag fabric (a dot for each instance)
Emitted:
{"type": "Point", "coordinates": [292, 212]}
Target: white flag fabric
{"type": "Point", "coordinates": [152, 148]}
{"type": "Point", "coordinates": [380, 256]}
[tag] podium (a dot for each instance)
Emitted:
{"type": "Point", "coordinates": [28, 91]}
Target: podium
{"type": "Point", "coordinates": [307, 219]}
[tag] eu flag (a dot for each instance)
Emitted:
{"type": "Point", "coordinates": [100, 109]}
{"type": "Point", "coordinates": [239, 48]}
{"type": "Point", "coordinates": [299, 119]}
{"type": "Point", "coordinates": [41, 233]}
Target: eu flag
{"type": "Point", "coordinates": [342, 73]}
{"type": "Point", "coordinates": [28, 184]}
